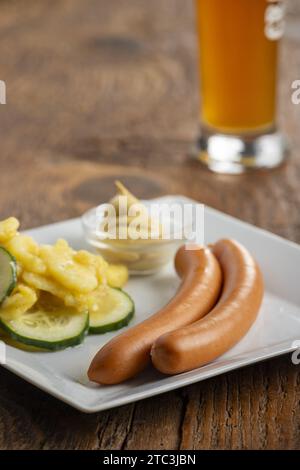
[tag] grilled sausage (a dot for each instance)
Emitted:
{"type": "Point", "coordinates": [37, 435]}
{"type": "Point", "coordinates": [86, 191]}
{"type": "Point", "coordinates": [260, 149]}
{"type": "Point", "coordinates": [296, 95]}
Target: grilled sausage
{"type": "Point", "coordinates": [129, 353]}
{"type": "Point", "coordinates": [193, 346]}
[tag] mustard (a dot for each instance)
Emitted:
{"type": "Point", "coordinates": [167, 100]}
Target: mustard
{"type": "Point", "coordinates": [142, 248]}
{"type": "Point", "coordinates": [139, 227]}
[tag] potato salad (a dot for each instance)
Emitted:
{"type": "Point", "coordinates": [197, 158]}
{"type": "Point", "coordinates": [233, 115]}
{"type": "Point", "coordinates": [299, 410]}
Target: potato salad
{"type": "Point", "coordinates": [51, 296]}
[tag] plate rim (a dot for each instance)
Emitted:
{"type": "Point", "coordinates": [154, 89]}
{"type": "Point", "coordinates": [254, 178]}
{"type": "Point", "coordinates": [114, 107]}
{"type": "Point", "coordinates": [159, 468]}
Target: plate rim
{"type": "Point", "coordinates": [181, 380]}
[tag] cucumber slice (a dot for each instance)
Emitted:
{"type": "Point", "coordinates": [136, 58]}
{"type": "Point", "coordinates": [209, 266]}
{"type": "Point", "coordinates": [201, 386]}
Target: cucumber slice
{"type": "Point", "coordinates": [8, 273]}
{"type": "Point", "coordinates": [4, 336]}
{"type": "Point", "coordinates": [48, 325]}
{"type": "Point", "coordinates": [115, 312]}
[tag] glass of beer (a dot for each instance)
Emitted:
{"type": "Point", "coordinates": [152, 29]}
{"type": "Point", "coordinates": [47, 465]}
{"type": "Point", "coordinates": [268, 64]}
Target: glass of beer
{"type": "Point", "coordinates": [238, 56]}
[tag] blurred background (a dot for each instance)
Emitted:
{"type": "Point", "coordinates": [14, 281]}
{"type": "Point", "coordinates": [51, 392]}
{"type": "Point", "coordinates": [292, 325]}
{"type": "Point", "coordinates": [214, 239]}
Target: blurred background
{"type": "Point", "coordinates": [114, 83]}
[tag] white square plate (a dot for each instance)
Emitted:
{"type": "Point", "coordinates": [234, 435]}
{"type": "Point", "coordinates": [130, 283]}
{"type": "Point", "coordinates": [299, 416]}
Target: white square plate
{"type": "Point", "coordinates": [63, 374]}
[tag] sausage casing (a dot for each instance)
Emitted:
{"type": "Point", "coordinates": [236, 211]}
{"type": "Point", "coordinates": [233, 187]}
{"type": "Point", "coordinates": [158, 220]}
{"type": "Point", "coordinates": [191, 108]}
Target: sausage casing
{"type": "Point", "coordinates": [129, 353]}
{"type": "Point", "coordinates": [203, 341]}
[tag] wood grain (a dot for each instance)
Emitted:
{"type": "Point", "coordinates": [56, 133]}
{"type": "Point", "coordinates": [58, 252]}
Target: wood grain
{"type": "Point", "coordinates": [98, 90]}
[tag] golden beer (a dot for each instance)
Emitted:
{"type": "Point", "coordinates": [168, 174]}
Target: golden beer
{"type": "Point", "coordinates": [238, 55]}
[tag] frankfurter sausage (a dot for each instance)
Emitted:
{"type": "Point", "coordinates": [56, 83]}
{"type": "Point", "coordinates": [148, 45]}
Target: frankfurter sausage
{"type": "Point", "coordinates": [203, 341]}
{"type": "Point", "coordinates": [129, 353]}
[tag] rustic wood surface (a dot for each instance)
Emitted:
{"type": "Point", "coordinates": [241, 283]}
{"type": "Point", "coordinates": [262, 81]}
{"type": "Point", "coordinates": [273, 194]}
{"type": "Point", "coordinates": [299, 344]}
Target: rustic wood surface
{"type": "Point", "coordinates": [101, 89]}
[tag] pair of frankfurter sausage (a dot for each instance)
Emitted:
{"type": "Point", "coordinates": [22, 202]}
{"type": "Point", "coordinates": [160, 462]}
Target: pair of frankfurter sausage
{"type": "Point", "coordinates": [214, 307]}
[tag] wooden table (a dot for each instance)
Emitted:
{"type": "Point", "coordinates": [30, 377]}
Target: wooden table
{"type": "Point", "coordinates": [98, 90]}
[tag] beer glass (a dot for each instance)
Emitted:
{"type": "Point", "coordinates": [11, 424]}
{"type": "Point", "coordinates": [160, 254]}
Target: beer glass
{"type": "Point", "coordinates": [238, 55]}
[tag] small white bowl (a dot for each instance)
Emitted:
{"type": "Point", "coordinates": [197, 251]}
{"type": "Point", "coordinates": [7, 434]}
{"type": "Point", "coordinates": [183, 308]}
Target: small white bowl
{"type": "Point", "coordinates": [141, 256]}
